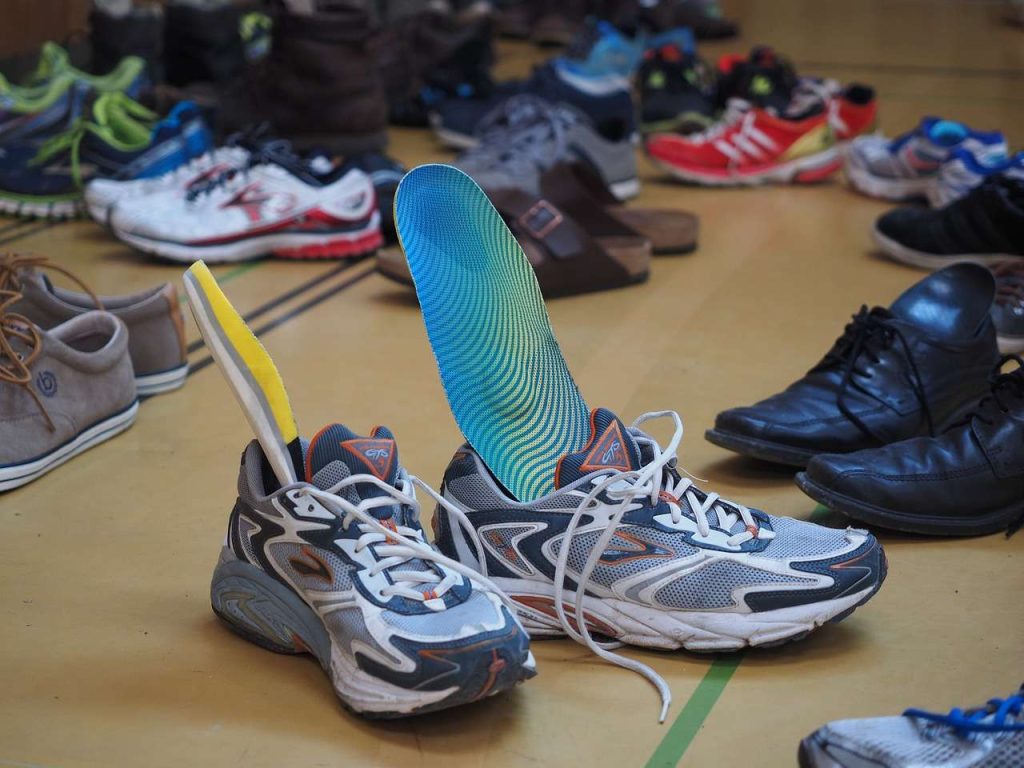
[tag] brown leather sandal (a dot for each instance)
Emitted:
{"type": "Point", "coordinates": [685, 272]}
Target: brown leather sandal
{"type": "Point", "coordinates": [577, 189]}
{"type": "Point", "coordinates": [568, 257]}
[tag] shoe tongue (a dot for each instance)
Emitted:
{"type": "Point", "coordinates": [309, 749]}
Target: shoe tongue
{"type": "Point", "coordinates": [336, 452]}
{"type": "Point", "coordinates": [611, 446]}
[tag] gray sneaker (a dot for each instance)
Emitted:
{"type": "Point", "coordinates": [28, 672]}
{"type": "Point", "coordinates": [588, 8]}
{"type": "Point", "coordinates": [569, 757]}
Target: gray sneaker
{"type": "Point", "coordinates": [987, 737]}
{"type": "Point", "coordinates": [1008, 310]}
{"type": "Point", "coordinates": [62, 391]}
{"type": "Point", "coordinates": [527, 135]}
{"type": "Point", "coordinates": [156, 331]}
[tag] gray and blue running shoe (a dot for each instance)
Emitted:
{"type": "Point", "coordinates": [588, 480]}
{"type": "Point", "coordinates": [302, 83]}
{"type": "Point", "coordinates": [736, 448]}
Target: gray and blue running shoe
{"type": "Point", "coordinates": [662, 563]}
{"type": "Point", "coordinates": [527, 135]}
{"type": "Point", "coordinates": [987, 737]}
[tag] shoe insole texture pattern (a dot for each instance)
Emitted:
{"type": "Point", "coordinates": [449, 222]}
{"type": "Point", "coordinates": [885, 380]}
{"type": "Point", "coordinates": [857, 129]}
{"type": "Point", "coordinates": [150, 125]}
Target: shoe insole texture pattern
{"type": "Point", "coordinates": [250, 372]}
{"type": "Point", "coordinates": [507, 383]}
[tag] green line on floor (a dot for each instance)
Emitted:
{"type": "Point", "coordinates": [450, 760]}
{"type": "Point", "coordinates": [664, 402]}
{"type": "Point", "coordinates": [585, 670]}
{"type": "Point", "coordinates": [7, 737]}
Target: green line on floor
{"type": "Point", "coordinates": [820, 514]}
{"type": "Point", "coordinates": [689, 721]}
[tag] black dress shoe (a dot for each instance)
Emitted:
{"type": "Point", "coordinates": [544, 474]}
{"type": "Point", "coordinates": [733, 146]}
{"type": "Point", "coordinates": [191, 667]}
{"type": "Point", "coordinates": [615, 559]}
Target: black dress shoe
{"type": "Point", "coordinates": [984, 227]}
{"type": "Point", "coordinates": [966, 482]}
{"type": "Point", "coordinates": [895, 373]}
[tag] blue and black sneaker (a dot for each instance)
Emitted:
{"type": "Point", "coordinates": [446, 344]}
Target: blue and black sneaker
{"type": "Point", "coordinates": [121, 140]}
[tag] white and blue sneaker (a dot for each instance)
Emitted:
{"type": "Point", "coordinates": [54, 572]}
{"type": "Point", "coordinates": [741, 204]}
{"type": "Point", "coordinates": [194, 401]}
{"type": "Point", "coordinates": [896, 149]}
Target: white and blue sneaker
{"type": "Point", "coordinates": [905, 168]}
{"type": "Point", "coordinates": [988, 737]}
{"type": "Point", "coordinates": [663, 564]}
{"type": "Point", "coordinates": [336, 565]}
{"type": "Point", "coordinates": [962, 172]}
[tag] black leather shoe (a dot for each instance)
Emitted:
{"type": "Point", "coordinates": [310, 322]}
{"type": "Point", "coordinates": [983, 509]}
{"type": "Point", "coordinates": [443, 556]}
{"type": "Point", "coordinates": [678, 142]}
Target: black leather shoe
{"type": "Point", "coordinates": [895, 373]}
{"type": "Point", "coordinates": [966, 482]}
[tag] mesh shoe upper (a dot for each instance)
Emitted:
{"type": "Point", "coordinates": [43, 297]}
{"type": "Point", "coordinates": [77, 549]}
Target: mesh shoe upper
{"type": "Point", "coordinates": [408, 620]}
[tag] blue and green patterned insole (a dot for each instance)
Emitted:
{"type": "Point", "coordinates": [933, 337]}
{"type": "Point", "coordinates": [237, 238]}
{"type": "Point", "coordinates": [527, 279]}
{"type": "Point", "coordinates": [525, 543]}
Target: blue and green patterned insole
{"type": "Point", "coordinates": [506, 380]}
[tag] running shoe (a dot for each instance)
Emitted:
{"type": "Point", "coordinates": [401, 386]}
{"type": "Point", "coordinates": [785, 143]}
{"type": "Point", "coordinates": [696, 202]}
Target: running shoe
{"type": "Point", "coordinates": [54, 96]}
{"type": "Point", "coordinates": [852, 109]}
{"type": "Point", "coordinates": [762, 78]}
{"type": "Point", "coordinates": [101, 195]}
{"type": "Point", "coordinates": [984, 227]}
{"type": "Point", "coordinates": [605, 98]}
{"type": "Point", "coordinates": [1008, 310]}
{"type": "Point", "coordinates": [905, 167]}
{"type": "Point", "coordinates": [677, 91]}
{"type": "Point", "coordinates": [752, 145]}
{"type": "Point", "coordinates": [530, 135]}
{"type": "Point", "coordinates": [127, 77]}
{"type": "Point", "coordinates": [324, 553]}
{"type": "Point", "coordinates": [664, 564]}
{"type": "Point", "coordinates": [991, 736]}
{"type": "Point", "coordinates": [120, 141]}
{"type": "Point", "coordinates": [962, 172]}
{"type": "Point", "coordinates": [277, 204]}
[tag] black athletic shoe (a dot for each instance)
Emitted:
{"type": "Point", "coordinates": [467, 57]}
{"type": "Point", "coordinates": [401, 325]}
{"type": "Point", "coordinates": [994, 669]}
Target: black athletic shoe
{"type": "Point", "coordinates": [984, 227]}
{"type": "Point", "coordinates": [895, 373]}
{"type": "Point", "coordinates": [677, 91]}
{"type": "Point", "coordinates": [764, 78]}
{"type": "Point", "coordinates": [966, 482]}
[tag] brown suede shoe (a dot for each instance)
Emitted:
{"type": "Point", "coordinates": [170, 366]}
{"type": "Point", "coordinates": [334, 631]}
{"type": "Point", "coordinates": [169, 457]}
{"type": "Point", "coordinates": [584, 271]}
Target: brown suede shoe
{"type": "Point", "coordinates": [156, 341]}
{"type": "Point", "coordinates": [62, 391]}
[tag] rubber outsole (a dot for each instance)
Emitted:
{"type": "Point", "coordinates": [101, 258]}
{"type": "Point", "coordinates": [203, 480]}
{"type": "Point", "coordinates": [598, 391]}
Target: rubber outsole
{"type": "Point", "coordinates": [290, 245]}
{"type": "Point", "coordinates": [265, 612]}
{"type": "Point", "coordinates": [899, 252]}
{"type": "Point", "coordinates": [1010, 345]}
{"type": "Point", "coordinates": [159, 383]}
{"type": "Point", "coordinates": [41, 208]}
{"type": "Point", "coordinates": [711, 633]}
{"type": "Point", "coordinates": [804, 170]}
{"type": "Point", "coordinates": [894, 190]}
{"type": "Point", "coordinates": [776, 453]}
{"type": "Point", "coordinates": [16, 475]}
{"type": "Point", "coordinates": [930, 525]}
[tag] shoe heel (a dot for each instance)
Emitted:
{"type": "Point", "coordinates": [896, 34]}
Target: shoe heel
{"type": "Point", "coordinates": [264, 611]}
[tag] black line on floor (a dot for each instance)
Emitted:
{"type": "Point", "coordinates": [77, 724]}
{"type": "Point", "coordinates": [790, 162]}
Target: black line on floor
{"type": "Point", "coordinates": [915, 69]}
{"type": "Point", "coordinates": [15, 225]}
{"type": "Point", "coordinates": [291, 314]}
{"type": "Point", "coordinates": [278, 301]}
{"type": "Point", "coordinates": [31, 231]}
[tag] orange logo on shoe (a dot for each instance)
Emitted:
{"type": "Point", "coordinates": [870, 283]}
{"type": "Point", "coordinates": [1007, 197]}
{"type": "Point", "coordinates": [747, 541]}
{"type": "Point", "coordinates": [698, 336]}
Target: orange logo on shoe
{"type": "Point", "coordinates": [609, 452]}
{"type": "Point", "coordinates": [377, 455]}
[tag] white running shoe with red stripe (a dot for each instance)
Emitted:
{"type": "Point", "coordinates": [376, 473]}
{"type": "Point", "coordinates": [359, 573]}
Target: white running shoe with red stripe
{"type": "Point", "coordinates": [278, 205]}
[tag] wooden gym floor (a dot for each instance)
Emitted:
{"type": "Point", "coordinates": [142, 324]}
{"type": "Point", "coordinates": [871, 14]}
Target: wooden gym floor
{"type": "Point", "coordinates": [110, 655]}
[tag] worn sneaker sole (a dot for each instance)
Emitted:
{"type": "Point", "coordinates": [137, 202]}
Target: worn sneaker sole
{"type": "Point", "coordinates": [1010, 345]}
{"type": "Point", "coordinates": [163, 381]}
{"type": "Point", "coordinates": [14, 475]}
{"type": "Point", "coordinates": [289, 245]}
{"type": "Point", "coordinates": [900, 252]}
{"type": "Point", "coordinates": [66, 207]}
{"type": "Point", "coordinates": [896, 190]}
{"type": "Point", "coordinates": [933, 525]}
{"type": "Point", "coordinates": [703, 631]}
{"type": "Point", "coordinates": [803, 170]}
{"type": "Point", "coordinates": [815, 752]}
{"type": "Point", "coordinates": [760, 449]}
{"type": "Point", "coordinates": [265, 612]}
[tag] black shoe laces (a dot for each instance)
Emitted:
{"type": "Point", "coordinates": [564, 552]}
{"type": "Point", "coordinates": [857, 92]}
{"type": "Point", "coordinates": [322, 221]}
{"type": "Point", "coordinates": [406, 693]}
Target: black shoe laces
{"type": "Point", "coordinates": [863, 340]}
{"type": "Point", "coordinates": [1005, 388]}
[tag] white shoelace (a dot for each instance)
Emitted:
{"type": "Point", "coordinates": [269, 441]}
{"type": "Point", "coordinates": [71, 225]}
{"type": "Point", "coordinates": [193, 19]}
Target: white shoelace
{"type": "Point", "coordinates": [400, 544]}
{"type": "Point", "coordinates": [735, 110]}
{"type": "Point", "coordinates": [649, 481]}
